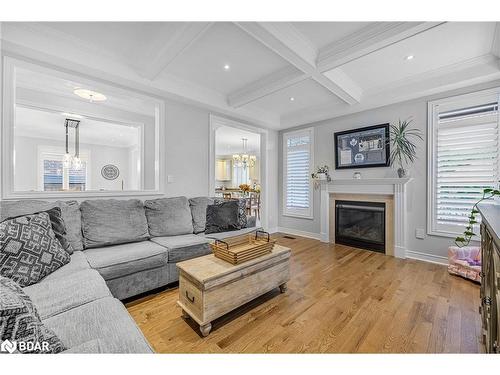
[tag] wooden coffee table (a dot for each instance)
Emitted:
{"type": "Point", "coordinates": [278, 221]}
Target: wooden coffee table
{"type": "Point", "coordinates": [210, 287]}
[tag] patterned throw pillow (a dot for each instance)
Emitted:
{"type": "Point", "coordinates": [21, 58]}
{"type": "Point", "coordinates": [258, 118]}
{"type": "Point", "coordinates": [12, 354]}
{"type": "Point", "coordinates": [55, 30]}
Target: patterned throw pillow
{"type": "Point", "coordinates": [29, 250]}
{"type": "Point", "coordinates": [242, 210]}
{"type": "Point", "coordinates": [21, 324]}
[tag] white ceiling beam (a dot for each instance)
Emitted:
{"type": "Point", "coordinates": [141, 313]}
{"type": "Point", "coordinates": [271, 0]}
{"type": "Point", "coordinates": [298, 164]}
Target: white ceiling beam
{"type": "Point", "coordinates": [291, 45]}
{"type": "Point", "coordinates": [267, 85]}
{"type": "Point", "coordinates": [369, 39]}
{"type": "Point", "coordinates": [170, 49]}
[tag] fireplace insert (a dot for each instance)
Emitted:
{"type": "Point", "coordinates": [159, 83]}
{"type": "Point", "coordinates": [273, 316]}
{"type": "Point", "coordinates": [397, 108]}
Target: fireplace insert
{"type": "Point", "coordinates": [360, 224]}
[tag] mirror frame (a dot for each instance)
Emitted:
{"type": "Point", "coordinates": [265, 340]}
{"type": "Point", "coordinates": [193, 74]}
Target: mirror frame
{"type": "Point", "coordinates": [7, 134]}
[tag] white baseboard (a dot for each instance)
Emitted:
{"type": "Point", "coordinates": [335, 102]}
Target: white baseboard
{"type": "Point", "coordinates": [438, 259]}
{"type": "Point", "coordinates": [301, 233]}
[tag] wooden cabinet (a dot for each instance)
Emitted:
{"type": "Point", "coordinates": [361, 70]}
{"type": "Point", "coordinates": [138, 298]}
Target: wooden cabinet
{"type": "Point", "coordinates": [223, 170]}
{"type": "Point", "coordinates": [490, 282]}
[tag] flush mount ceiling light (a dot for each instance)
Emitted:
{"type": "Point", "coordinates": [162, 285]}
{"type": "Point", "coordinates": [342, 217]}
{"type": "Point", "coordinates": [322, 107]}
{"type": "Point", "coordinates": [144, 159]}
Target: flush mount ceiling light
{"type": "Point", "coordinates": [409, 57]}
{"type": "Point", "coordinates": [227, 67]}
{"type": "Point", "coordinates": [93, 96]}
{"type": "Point", "coordinates": [292, 98]}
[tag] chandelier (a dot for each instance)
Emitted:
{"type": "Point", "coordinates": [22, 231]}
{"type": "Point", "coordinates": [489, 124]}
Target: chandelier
{"type": "Point", "coordinates": [244, 159]}
{"type": "Point", "coordinates": [72, 161]}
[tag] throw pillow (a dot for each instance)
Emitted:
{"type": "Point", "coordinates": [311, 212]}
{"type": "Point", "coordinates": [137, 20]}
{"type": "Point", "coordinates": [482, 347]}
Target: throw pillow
{"type": "Point", "coordinates": [20, 322]}
{"type": "Point", "coordinates": [29, 250]}
{"type": "Point", "coordinates": [242, 210]}
{"type": "Point", "coordinates": [58, 227]}
{"type": "Point", "coordinates": [222, 217]}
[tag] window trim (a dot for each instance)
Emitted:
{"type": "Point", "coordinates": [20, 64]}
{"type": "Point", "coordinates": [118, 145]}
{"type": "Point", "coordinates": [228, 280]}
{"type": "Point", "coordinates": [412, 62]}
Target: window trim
{"type": "Point", "coordinates": [432, 114]}
{"type": "Point", "coordinates": [310, 214]}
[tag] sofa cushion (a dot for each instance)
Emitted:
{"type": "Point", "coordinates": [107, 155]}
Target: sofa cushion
{"type": "Point", "coordinates": [105, 319]}
{"type": "Point", "coordinates": [183, 247]}
{"type": "Point", "coordinates": [111, 221]}
{"type": "Point", "coordinates": [70, 212]}
{"type": "Point", "coordinates": [198, 207]}
{"type": "Point", "coordinates": [222, 217]}
{"type": "Point", "coordinates": [73, 220]}
{"type": "Point", "coordinates": [168, 216]}
{"type": "Point", "coordinates": [19, 321]}
{"type": "Point", "coordinates": [29, 250]}
{"type": "Point", "coordinates": [56, 296]}
{"type": "Point", "coordinates": [78, 262]}
{"type": "Point", "coordinates": [121, 260]}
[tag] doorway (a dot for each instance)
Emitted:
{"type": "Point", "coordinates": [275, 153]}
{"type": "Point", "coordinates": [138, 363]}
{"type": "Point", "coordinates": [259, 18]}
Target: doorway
{"type": "Point", "coordinates": [237, 164]}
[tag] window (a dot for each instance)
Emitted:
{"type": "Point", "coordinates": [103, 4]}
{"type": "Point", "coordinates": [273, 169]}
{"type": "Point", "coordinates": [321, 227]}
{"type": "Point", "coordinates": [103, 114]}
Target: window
{"type": "Point", "coordinates": [55, 177]}
{"type": "Point", "coordinates": [240, 175]}
{"type": "Point", "coordinates": [297, 163]}
{"type": "Point", "coordinates": [463, 158]}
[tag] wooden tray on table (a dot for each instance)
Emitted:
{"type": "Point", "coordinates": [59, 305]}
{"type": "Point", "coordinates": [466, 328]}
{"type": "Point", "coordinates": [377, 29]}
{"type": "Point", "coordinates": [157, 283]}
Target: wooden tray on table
{"type": "Point", "coordinates": [240, 249]}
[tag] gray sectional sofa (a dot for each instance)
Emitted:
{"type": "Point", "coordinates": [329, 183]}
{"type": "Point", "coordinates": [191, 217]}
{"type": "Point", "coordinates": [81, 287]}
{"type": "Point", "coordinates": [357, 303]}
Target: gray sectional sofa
{"type": "Point", "coordinates": [122, 248]}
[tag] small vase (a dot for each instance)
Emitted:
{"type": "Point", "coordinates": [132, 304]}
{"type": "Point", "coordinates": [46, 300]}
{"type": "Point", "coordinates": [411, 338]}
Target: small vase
{"type": "Point", "coordinates": [321, 176]}
{"type": "Point", "coordinates": [402, 172]}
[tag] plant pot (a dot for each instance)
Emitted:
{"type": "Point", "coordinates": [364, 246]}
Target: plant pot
{"type": "Point", "coordinates": [321, 176]}
{"type": "Point", "coordinates": [402, 172]}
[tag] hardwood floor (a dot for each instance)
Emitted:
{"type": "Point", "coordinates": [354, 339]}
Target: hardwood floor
{"type": "Point", "coordinates": [339, 299]}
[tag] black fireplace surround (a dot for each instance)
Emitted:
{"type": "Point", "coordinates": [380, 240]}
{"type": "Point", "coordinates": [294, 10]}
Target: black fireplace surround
{"type": "Point", "coordinates": [360, 224]}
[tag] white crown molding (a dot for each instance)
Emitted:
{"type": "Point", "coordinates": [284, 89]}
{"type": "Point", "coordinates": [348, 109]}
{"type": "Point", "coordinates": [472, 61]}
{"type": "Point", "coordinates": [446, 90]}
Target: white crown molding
{"type": "Point", "coordinates": [287, 42]}
{"type": "Point", "coordinates": [367, 40]}
{"type": "Point", "coordinates": [267, 85]}
{"type": "Point", "coordinates": [466, 73]}
{"type": "Point", "coordinates": [165, 52]}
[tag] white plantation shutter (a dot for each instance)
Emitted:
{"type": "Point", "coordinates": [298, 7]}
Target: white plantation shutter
{"type": "Point", "coordinates": [466, 160]}
{"type": "Point", "coordinates": [297, 164]}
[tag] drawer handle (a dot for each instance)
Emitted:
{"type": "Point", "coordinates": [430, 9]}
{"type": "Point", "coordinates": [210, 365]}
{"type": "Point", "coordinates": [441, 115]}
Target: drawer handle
{"type": "Point", "coordinates": [191, 299]}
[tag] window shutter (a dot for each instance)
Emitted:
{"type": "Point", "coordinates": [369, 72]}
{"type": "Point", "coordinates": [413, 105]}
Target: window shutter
{"type": "Point", "coordinates": [297, 173]}
{"type": "Point", "coordinates": [467, 162]}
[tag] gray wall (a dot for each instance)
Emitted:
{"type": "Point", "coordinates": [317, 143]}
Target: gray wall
{"type": "Point", "coordinates": [417, 189]}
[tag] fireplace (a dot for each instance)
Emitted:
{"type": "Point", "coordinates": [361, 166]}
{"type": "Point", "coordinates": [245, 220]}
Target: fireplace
{"type": "Point", "coordinates": [360, 224]}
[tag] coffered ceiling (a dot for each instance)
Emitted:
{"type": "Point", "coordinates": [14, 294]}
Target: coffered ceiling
{"type": "Point", "coordinates": [275, 74]}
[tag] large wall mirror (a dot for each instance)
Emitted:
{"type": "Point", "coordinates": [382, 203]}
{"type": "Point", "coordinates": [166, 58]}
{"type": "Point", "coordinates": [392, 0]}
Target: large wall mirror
{"type": "Point", "coordinates": [67, 135]}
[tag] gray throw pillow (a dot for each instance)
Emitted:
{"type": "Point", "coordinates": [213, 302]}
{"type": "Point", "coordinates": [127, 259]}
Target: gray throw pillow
{"type": "Point", "coordinates": [29, 250]}
{"type": "Point", "coordinates": [198, 207]}
{"type": "Point", "coordinates": [111, 221]}
{"type": "Point", "coordinates": [20, 322]}
{"type": "Point", "coordinates": [222, 217]}
{"type": "Point", "coordinates": [242, 210]}
{"type": "Point", "coordinates": [169, 216]}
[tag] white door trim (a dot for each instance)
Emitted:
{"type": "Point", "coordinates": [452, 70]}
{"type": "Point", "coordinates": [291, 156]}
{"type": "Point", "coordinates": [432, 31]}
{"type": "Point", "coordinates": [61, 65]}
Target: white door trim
{"type": "Point", "coordinates": [216, 122]}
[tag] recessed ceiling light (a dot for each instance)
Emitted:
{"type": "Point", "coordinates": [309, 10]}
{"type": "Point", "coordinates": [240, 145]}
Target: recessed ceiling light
{"type": "Point", "coordinates": [409, 57]}
{"type": "Point", "coordinates": [226, 67]}
{"type": "Point", "coordinates": [292, 98]}
{"type": "Point", "coordinates": [93, 96]}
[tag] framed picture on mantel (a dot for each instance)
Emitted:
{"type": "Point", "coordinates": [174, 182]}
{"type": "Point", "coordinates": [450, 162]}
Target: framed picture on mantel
{"type": "Point", "coordinates": [362, 148]}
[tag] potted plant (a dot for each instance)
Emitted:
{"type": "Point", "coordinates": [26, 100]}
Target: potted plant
{"type": "Point", "coordinates": [403, 148]}
{"type": "Point", "coordinates": [465, 239]}
{"type": "Point", "coordinates": [321, 173]}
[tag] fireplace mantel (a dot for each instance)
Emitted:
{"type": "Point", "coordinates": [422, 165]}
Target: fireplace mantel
{"type": "Point", "coordinates": [388, 186]}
